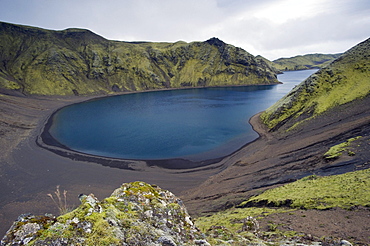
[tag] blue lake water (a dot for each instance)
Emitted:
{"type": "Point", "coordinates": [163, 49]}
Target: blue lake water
{"type": "Point", "coordinates": [194, 124]}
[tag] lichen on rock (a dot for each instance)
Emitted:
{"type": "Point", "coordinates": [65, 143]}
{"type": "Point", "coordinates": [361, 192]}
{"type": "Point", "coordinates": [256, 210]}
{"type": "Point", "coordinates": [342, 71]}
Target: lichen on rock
{"type": "Point", "coordinates": [135, 214]}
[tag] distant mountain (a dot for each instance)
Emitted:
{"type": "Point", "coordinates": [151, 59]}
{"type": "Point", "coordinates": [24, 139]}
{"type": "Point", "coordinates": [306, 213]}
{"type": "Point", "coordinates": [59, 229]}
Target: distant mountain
{"type": "Point", "coordinates": [77, 61]}
{"type": "Point", "coordinates": [310, 61]}
{"type": "Point", "coordinates": [344, 80]}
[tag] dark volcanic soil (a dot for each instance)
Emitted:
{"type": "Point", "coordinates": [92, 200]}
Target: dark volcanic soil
{"type": "Point", "coordinates": [278, 158]}
{"type": "Point", "coordinates": [28, 172]}
{"type": "Point", "coordinates": [324, 225]}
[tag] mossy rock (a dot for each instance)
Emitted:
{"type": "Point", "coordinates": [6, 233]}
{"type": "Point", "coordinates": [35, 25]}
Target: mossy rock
{"type": "Point", "coordinates": [135, 214]}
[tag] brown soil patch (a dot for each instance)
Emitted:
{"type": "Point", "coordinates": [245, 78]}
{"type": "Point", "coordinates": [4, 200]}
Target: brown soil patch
{"type": "Point", "coordinates": [328, 226]}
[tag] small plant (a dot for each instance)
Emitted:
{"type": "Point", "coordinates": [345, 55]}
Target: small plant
{"type": "Point", "coordinates": [250, 224]}
{"type": "Point", "coordinates": [60, 202]}
{"type": "Point", "coordinates": [337, 150]}
{"type": "Point", "coordinates": [272, 227]}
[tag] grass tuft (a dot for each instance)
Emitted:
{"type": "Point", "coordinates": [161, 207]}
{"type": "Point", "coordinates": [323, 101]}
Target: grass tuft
{"type": "Point", "coordinates": [60, 200]}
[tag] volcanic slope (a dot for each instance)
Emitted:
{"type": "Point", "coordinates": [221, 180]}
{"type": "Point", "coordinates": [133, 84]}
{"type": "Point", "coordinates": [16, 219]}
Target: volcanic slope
{"type": "Point", "coordinates": [329, 110]}
{"type": "Point", "coordinates": [302, 62]}
{"type": "Point", "coordinates": [79, 62]}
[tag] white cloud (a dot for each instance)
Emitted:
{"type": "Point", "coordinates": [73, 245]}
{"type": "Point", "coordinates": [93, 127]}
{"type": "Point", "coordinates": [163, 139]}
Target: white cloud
{"type": "Point", "coordinates": [288, 10]}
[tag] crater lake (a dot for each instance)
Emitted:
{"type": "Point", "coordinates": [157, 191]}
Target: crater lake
{"type": "Point", "coordinates": [194, 124]}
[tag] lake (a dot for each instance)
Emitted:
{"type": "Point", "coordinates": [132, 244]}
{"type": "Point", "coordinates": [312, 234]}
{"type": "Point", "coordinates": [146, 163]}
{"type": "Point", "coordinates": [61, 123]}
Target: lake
{"type": "Point", "coordinates": [194, 124]}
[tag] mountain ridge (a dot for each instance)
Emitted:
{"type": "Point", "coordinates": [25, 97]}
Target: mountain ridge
{"type": "Point", "coordinates": [78, 61]}
{"type": "Point", "coordinates": [345, 79]}
{"type": "Point", "coordinates": [303, 62]}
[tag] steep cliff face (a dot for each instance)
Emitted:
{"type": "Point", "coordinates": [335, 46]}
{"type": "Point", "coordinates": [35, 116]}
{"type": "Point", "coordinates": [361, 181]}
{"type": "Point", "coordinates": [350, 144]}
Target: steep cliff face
{"type": "Point", "coordinates": [344, 80]}
{"type": "Point", "coordinates": [77, 61]}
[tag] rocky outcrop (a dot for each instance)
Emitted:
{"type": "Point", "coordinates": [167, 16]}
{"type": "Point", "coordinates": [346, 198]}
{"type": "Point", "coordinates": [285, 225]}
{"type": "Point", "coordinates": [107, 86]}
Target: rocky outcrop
{"type": "Point", "coordinates": [77, 61]}
{"type": "Point", "coordinates": [271, 66]}
{"type": "Point", "coordinates": [135, 214]}
{"type": "Point", "coordinates": [138, 214]}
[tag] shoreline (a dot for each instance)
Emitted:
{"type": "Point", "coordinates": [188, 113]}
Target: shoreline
{"type": "Point", "coordinates": [276, 158]}
{"type": "Point", "coordinates": [46, 141]}
{"type": "Point", "coordinates": [30, 171]}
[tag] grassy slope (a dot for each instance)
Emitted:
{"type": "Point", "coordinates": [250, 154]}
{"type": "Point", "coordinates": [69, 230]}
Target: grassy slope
{"type": "Point", "coordinates": [344, 80]}
{"type": "Point", "coordinates": [310, 61]}
{"type": "Point", "coordinates": [312, 192]}
{"type": "Point", "coordinates": [76, 61]}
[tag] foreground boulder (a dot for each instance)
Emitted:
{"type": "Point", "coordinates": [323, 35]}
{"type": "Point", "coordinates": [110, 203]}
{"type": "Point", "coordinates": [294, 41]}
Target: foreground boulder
{"type": "Point", "coordinates": [135, 214]}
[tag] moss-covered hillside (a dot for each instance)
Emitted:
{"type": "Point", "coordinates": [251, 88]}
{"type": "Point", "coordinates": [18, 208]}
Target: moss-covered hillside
{"type": "Point", "coordinates": [344, 80]}
{"type": "Point", "coordinates": [309, 61]}
{"type": "Point", "coordinates": [269, 63]}
{"type": "Point", "coordinates": [346, 191]}
{"type": "Point", "coordinates": [77, 61]}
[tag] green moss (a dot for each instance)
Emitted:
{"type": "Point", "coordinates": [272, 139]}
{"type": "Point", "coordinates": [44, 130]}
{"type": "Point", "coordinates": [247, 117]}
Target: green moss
{"type": "Point", "coordinates": [79, 62]}
{"type": "Point", "coordinates": [337, 150]}
{"type": "Point", "coordinates": [10, 85]}
{"type": "Point", "coordinates": [344, 80]}
{"type": "Point", "coordinates": [102, 232]}
{"type": "Point", "coordinates": [345, 191]}
{"type": "Point", "coordinates": [312, 192]}
{"type": "Point", "coordinates": [310, 61]}
{"type": "Point", "coordinates": [79, 213]}
{"type": "Point", "coordinates": [232, 218]}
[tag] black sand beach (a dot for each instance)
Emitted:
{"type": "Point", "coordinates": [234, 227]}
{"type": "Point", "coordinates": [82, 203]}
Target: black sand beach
{"type": "Point", "coordinates": [29, 172]}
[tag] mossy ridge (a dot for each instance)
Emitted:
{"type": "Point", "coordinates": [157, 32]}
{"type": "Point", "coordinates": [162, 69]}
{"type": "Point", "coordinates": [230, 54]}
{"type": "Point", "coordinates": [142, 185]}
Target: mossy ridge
{"type": "Point", "coordinates": [271, 65]}
{"type": "Point", "coordinates": [74, 61]}
{"type": "Point", "coordinates": [303, 62]}
{"type": "Point", "coordinates": [345, 80]}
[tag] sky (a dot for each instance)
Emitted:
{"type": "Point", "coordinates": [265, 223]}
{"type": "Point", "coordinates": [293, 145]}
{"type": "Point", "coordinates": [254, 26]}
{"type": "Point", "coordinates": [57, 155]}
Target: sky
{"type": "Point", "coordinates": [271, 28]}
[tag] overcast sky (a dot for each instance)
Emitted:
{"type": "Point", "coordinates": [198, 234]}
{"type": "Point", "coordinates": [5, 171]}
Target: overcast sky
{"type": "Point", "coordinates": [271, 28]}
